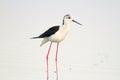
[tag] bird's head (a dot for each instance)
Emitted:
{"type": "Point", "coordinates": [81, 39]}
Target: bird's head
{"type": "Point", "coordinates": [68, 18]}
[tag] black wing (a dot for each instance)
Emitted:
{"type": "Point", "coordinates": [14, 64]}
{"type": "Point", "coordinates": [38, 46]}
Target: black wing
{"type": "Point", "coordinates": [49, 32]}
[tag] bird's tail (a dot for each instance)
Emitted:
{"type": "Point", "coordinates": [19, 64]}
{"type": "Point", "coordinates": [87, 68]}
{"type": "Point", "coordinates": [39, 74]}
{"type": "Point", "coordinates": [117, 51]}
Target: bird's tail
{"type": "Point", "coordinates": [34, 37]}
{"type": "Point", "coordinates": [45, 40]}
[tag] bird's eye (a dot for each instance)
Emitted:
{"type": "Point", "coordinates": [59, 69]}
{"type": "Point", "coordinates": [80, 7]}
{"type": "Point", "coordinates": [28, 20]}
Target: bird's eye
{"type": "Point", "coordinates": [69, 17]}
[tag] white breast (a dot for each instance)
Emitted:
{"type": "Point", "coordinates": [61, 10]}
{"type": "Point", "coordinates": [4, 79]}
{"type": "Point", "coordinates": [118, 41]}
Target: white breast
{"type": "Point", "coordinates": [59, 35]}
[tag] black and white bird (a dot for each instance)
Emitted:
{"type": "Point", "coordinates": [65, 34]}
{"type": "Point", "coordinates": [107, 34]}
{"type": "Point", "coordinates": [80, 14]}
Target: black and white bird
{"type": "Point", "coordinates": [56, 34]}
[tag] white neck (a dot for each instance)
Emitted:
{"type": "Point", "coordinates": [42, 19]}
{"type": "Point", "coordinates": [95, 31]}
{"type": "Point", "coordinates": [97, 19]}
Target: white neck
{"type": "Point", "coordinates": [66, 26]}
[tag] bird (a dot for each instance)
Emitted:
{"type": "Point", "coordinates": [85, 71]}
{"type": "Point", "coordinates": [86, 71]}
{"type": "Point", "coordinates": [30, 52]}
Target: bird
{"type": "Point", "coordinates": [56, 34]}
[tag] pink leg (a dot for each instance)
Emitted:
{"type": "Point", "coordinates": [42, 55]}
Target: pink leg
{"type": "Point", "coordinates": [47, 60]}
{"type": "Point", "coordinates": [56, 61]}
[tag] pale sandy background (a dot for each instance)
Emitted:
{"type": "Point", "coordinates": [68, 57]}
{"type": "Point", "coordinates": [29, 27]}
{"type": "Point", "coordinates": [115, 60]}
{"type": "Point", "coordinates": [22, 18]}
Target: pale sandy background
{"type": "Point", "coordinates": [90, 52]}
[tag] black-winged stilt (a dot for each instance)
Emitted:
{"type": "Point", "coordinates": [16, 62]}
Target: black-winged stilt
{"type": "Point", "coordinates": [56, 34]}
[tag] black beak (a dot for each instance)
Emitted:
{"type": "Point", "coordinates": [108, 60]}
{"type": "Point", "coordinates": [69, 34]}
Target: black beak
{"type": "Point", "coordinates": [76, 22]}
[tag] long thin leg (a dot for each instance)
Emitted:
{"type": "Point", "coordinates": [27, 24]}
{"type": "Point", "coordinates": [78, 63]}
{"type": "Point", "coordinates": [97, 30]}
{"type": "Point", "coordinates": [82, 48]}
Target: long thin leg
{"type": "Point", "coordinates": [56, 59]}
{"type": "Point", "coordinates": [47, 60]}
